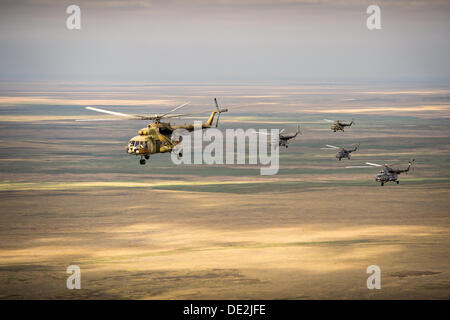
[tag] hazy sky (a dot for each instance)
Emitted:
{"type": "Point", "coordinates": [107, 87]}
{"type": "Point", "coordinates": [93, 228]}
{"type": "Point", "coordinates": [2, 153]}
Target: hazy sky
{"type": "Point", "coordinates": [207, 40]}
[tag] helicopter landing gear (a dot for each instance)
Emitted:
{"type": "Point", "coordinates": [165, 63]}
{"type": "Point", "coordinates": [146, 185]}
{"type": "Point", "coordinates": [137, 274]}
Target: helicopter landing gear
{"type": "Point", "coordinates": [382, 184]}
{"type": "Point", "coordinates": [339, 159]}
{"type": "Point", "coordinates": [142, 161]}
{"type": "Point", "coordinates": [398, 182]}
{"type": "Point", "coordinates": [147, 157]}
{"type": "Point", "coordinates": [287, 146]}
{"type": "Point", "coordinates": [178, 152]}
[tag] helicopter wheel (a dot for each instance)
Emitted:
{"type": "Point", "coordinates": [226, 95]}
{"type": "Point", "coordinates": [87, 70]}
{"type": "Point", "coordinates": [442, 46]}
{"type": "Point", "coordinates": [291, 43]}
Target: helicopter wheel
{"type": "Point", "coordinates": [142, 161]}
{"type": "Point", "coordinates": [287, 147]}
{"type": "Point", "coordinates": [382, 184]}
{"type": "Point", "coordinates": [147, 157]}
{"type": "Point", "coordinates": [339, 159]}
{"type": "Point", "coordinates": [398, 182]}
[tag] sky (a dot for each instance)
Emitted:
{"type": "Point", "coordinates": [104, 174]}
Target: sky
{"type": "Point", "coordinates": [228, 40]}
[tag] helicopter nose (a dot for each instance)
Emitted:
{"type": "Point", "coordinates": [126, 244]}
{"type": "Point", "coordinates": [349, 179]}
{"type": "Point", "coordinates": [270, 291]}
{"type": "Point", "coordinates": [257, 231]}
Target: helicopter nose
{"type": "Point", "coordinates": [131, 149]}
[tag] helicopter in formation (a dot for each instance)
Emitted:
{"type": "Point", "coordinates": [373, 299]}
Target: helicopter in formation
{"type": "Point", "coordinates": [342, 153]}
{"type": "Point", "coordinates": [156, 137]}
{"type": "Point", "coordinates": [284, 138]}
{"type": "Point", "coordinates": [388, 173]}
{"type": "Point", "coordinates": [338, 125]}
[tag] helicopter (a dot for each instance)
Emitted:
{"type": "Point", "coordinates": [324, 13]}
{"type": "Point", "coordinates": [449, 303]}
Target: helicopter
{"type": "Point", "coordinates": [156, 137]}
{"type": "Point", "coordinates": [387, 173]}
{"type": "Point", "coordinates": [338, 125]}
{"type": "Point", "coordinates": [342, 153]}
{"type": "Point", "coordinates": [283, 138]}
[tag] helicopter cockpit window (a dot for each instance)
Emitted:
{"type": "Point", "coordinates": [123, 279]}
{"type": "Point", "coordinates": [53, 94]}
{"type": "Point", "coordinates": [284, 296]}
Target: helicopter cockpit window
{"type": "Point", "coordinates": [140, 144]}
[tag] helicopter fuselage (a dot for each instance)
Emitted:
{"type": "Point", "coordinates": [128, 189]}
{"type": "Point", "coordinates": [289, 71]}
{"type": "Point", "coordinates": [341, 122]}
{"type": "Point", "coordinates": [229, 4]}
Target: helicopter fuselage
{"type": "Point", "coordinates": [157, 137]}
{"type": "Point", "coordinates": [386, 176]}
{"type": "Point", "coordinates": [390, 174]}
{"type": "Point", "coordinates": [343, 153]}
{"type": "Point", "coordinates": [340, 126]}
{"type": "Point", "coordinates": [284, 139]}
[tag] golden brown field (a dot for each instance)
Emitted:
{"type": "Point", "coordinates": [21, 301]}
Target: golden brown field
{"type": "Point", "coordinates": [71, 196]}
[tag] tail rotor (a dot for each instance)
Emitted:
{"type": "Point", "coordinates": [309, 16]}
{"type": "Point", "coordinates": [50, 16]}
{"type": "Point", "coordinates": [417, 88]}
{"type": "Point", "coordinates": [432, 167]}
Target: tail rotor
{"type": "Point", "coordinates": [411, 165]}
{"type": "Point", "coordinates": [219, 111]}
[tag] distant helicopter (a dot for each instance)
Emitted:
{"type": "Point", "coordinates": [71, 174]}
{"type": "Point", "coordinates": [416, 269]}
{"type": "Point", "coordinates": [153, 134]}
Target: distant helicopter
{"type": "Point", "coordinates": [342, 153]}
{"type": "Point", "coordinates": [156, 137]}
{"type": "Point", "coordinates": [283, 138]}
{"type": "Point", "coordinates": [388, 173]}
{"type": "Point", "coordinates": [338, 125]}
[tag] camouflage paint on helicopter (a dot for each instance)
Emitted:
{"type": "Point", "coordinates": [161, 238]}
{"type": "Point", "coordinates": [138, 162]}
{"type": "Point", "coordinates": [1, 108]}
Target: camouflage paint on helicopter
{"type": "Point", "coordinates": [284, 138]}
{"type": "Point", "coordinates": [388, 173]}
{"type": "Point", "coordinates": [342, 153]}
{"type": "Point", "coordinates": [156, 137]}
{"type": "Point", "coordinates": [338, 125]}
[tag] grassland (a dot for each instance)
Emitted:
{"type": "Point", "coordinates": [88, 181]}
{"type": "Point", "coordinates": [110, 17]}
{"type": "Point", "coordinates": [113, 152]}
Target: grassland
{"type": "Point", "coordinates": [71, 195]}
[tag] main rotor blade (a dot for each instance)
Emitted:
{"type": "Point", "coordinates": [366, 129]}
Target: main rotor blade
{"type": "Point", "coordinates": [329, 120]}
{"type": "Point", "coordinates": [358, 167]}
{"type": "Point", "coordinates": [186, 114]}
{"type": "Point", "coordinates": [111, 112]}
{"type": "Point", "coordinates": [266, 133]}
{"type": "Point", "coordinates": [174, 109]}
{"type": "Point", "coordinates": [333, 147]}
{"type": "Point", "coordinates": [183, 115]}
{"type": "Point", "coordinates": [374, 164]}
{"type": "Point", "coordinates": [105, 119]}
